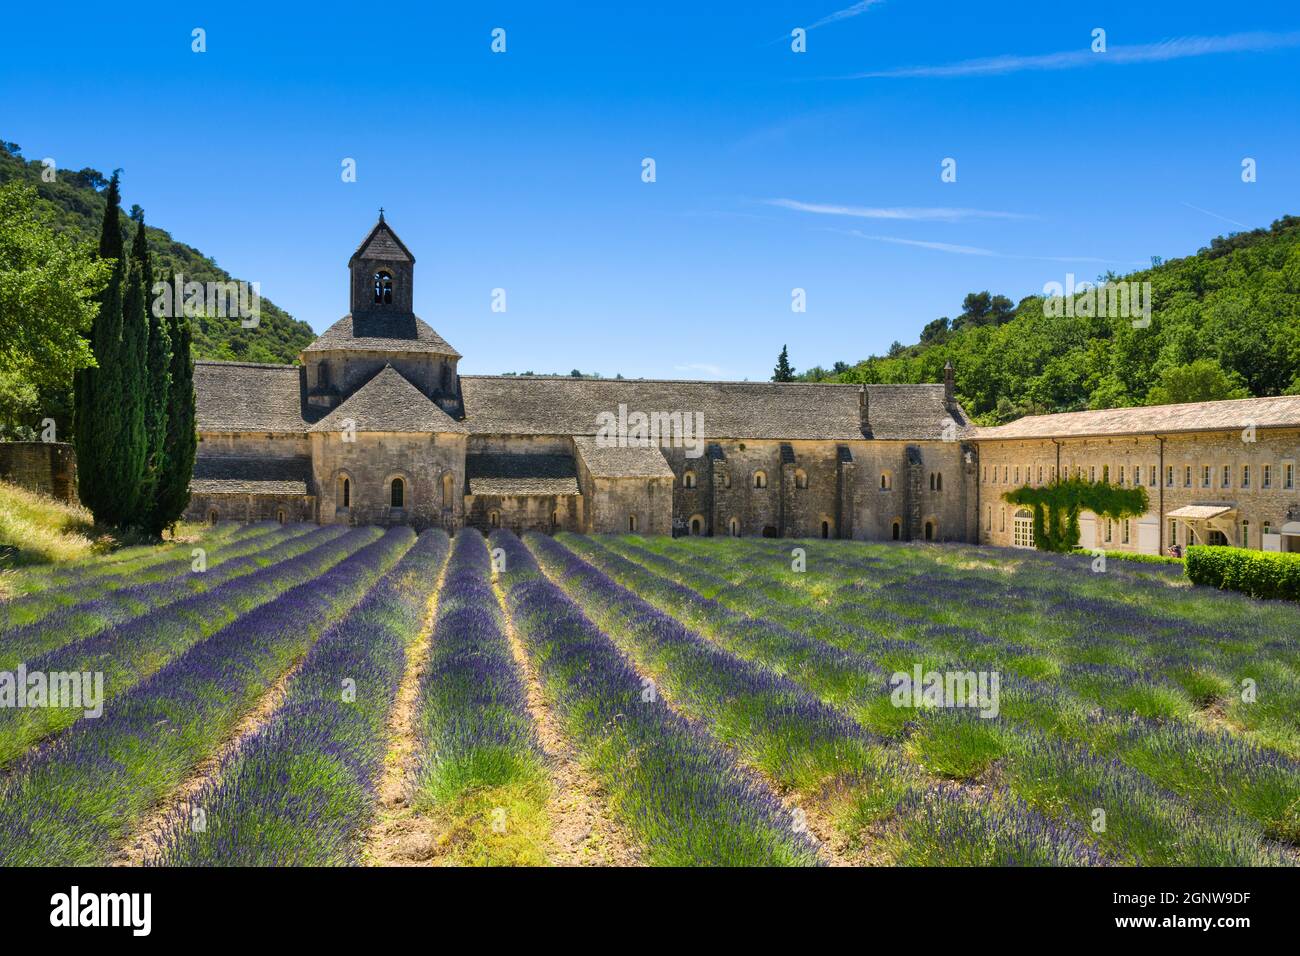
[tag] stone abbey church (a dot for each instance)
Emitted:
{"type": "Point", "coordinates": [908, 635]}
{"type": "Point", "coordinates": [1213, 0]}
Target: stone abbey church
{"type": "Point", "coordinates": [377, 426]}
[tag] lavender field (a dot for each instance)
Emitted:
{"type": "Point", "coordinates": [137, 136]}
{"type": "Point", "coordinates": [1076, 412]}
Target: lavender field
{"type": "Point", "coordinates": [344, 697]}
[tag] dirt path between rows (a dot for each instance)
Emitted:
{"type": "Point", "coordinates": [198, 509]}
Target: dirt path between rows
{"type": "Point", "coordinates": [399, 836]}
{"type": "Point", "coordinates": [583, 833]}
{"type": "Point", "coordinates": [147, 839]}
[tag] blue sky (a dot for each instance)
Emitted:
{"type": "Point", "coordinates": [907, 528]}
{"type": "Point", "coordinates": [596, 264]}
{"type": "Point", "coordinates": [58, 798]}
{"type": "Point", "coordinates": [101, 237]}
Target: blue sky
{"type": "Point", "coordinates": [775, 170]}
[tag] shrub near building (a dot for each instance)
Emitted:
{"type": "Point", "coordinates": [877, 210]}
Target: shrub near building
{"type": "Point", "coordinates": [1261, 574]}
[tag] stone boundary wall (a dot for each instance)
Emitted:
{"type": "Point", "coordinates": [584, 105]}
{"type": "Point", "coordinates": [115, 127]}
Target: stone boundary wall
{"type": "Point", "coordinates": [47, 467]}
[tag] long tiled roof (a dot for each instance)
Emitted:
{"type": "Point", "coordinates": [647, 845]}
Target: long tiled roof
{"type": "Point", "coordinates": [612, 462]}
{"type": "Point", "coordinates": [238, 396]}
{"type": "Point", "coordinates": [389, 403]}
{"type": "Point", "coordinates": [1233, 415]}
{"type": "Point", "coordinates": [250, 476]}
{"type": "Point", "coordinates": [519, 405]}
{"type": "Point", "coordinates": [505, 473]}
{"type": "Point", "coordinates": [242, 396]}
{"type": "Point", "coordinates": [379, 332]}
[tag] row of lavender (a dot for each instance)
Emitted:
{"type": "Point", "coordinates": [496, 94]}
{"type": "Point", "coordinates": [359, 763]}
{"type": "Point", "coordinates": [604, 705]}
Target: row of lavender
{"type": "Point", "coordinates": [479, 762]}
{"type": "Point", "coordinates": [126, 655]}
{"type": "Point", "coordinates": [1049, 766]}
{"type": "Point", "coordinates": [301, 790]}
{"type": "Point", "coordinates": [78, 620]}
{"type": "Point", "coordinates": [674, 788]}
{"type": "Point", "coordinates": [73, 802]}
{"type": "Point", "coordinates": [85, 586]}
{"type": "Point", "coordinates": [957, 743]}
{"type": "Point", "coordinates": [125, 561]}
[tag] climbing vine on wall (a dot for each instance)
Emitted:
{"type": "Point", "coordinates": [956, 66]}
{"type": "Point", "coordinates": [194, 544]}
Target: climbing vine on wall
{"type": "Point", "coordinates": [1056, 508]}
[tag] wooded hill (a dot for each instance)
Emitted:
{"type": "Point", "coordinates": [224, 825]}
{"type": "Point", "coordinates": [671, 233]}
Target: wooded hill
{"type": "Point", "coordinates": [1225, 323]}
{"type": "Point", "coordinates": [79, 203]}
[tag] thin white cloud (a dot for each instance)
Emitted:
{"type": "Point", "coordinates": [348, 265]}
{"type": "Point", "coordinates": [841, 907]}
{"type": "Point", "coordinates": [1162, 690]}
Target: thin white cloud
{"type": "Point", "coordinates": [856, 10]}
{"type": "Point", "coordinates": [979, 251]}
{"type": "Point", "coordinates": [1215, 215]}
{"type": "Point", "coordinates": [914, 214]}
{"type": "Point", "coordinates": [1175, 49]}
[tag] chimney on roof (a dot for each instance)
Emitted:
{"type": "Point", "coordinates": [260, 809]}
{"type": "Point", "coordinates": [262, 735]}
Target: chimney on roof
{"type": "Point", "coordinates": [949, 383]}
{"type": "Point", "coordinates": [864, 417]}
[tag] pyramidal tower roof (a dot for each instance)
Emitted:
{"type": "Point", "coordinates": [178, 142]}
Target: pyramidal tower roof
{"type": "Point", "coordinates": [382, 243]}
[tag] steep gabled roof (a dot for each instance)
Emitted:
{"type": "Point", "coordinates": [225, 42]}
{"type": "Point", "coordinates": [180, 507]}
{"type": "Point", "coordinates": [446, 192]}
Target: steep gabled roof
{"type": "Point", "coordinates": [507, 473]}
{"type": "Point", "coordinates": [612, 462]}
{"type": "Point", "coordinates": [518, 405]}
{"type": "Point", "coordinates": [248, 397]}
{"type": "Point", "coordinates": [377, 332]}
{"type": "Point", "coordinates": [389, 403]}
{"type": "Point", "coordinates": [382, 243]}
{"type": "Point", "coordinates": [1232, 415]}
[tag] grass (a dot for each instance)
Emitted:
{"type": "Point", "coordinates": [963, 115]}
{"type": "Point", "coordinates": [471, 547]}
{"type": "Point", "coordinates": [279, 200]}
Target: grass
{"type": "Point", "coordinates": [36, 529]}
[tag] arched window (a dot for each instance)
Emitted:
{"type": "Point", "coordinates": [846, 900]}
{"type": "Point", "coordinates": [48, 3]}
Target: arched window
{"type": "Point", "coordinates": [688, 479]}
{"type": "Point", "coordinates": [448, 485]}
{"type": "Point", "coordinates": [886, 481]}
{"type": "Point", "coordinates": [631, 523]}
{"type": "Point", "coordinates": [494, 519]}
{"type": "Point", "coordinates": [760, 479]}
{"type": "Point", "coordinates": [932, 479]}
{"type": "Point", "coordinates": [826, 528]}
{"type": "Point", "coordinates": [555, 520]}
{"type": "Point", "coordinates": [383, 288]}
{"type": "Point", "coordinates": [345, 492]}
{"type": "Point", "coordinates": [726, 479]}
{"type": "Point", "coordinates": [733, 527]}
{"type": "Point", "coordinates": [938, 481]}
{"type": "Point", "coordinates": [1023, 529]}
{"type": "Point", "coordinates": [800, 478]}
{"type": "Point", "coordinates": [213, 517]}
{"type": "Point", "coordinates": [697, 525]}
{"type": "Point", "coordinates": [929, 531]}
{"type": "Point", "coordinates": [398, 493]}
{"type": "Point", "coordinates": [280, 516]}
{"type": "Point", "coordinates": [896, 530]}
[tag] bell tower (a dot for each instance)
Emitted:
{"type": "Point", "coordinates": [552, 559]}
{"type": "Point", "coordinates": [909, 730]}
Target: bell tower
{"type": "Point", "coordinates": [383, 271]}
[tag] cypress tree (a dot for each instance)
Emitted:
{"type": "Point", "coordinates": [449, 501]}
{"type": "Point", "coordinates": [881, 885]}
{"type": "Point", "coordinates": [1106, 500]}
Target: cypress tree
{"type": "Point", "coordinates": [783, 372]}
{"type": "Point", "coordinates": [172, 495]}
{"type": "Point", "coordinates": [157, 387]}
{"type": "Point", "coordinates": [94, 417]}
{"type": "Point", "coordinates": [129, 457]}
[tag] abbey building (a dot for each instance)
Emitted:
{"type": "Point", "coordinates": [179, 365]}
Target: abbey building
{"type": "Point", "coordinates": [378, 426]}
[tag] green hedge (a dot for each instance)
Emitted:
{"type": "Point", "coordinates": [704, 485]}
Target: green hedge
{"type": "Point", "coordinates": [1261, 574]}
{"type": "Point", "coordinates": [1137, 556]}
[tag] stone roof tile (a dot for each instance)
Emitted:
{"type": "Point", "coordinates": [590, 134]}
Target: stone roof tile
{"type": "Point", "coordinates": [389, 403]}
{"type": "Point", "coordinates": [613, 462]}
{"type": "Point", "coordinates": [381, 332]}
{"type": "Point", "coordinates": [507, 473]}
{"type": "Point", "coordinates": [250, 476]}
{"type": "Point", "coordinates": [1233, 415]}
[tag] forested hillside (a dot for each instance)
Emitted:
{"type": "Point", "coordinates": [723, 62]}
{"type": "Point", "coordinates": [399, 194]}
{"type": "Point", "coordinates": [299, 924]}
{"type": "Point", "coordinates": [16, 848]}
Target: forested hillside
{"type": "Point", "coordinates": [79, 210]}
{"type": "Point", "coordinates": [1225, 323]}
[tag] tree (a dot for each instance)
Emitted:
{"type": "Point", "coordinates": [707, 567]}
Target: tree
{"type": "Point", "coordinates": [96, 424]}
{"type": "Point", "coordinates": [1203, 380]}
{"type": "Point", "coordinates": [172, 491]}
{"type": "Point", "coordinates": [48, 288]}
{"type": "Point", "coordinates": [783, 371]}
{"type": "Point", "coordinates": [109, 397]}
{"type": "Point", "coordinates": [935, 332]}
{"type": "Point", "coordinates": [157, 381]}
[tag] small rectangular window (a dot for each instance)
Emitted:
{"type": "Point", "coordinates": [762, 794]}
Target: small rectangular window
{"type": "Point", "coordinates": [1245, 476]}
{"type": "Point", "coordinates": [1288, 475]}
{"type": "Point", "coordinates": [1227, 476]}
{"type": "Point", "coordinates": [1268, 477]}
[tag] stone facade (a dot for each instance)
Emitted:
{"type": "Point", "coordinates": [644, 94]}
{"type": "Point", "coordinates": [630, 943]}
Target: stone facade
{"type": "Point", "coordinates": [377, 426]}
{"type": "Point", "coordinates": [1249, 475]}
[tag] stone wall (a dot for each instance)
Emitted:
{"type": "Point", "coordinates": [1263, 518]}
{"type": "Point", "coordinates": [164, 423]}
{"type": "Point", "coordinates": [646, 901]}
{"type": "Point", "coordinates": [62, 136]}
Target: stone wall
{"type": "Point", "coordinates": [1177, 463]}
{"type": "Point", "coordinates": [373, 461]}
{"type": "Point", "coordinates": [47, 467]}
{"type": "Point", "coordinates": [520, 513]}
{"type": "Point", "coordinates": [286, 509]}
